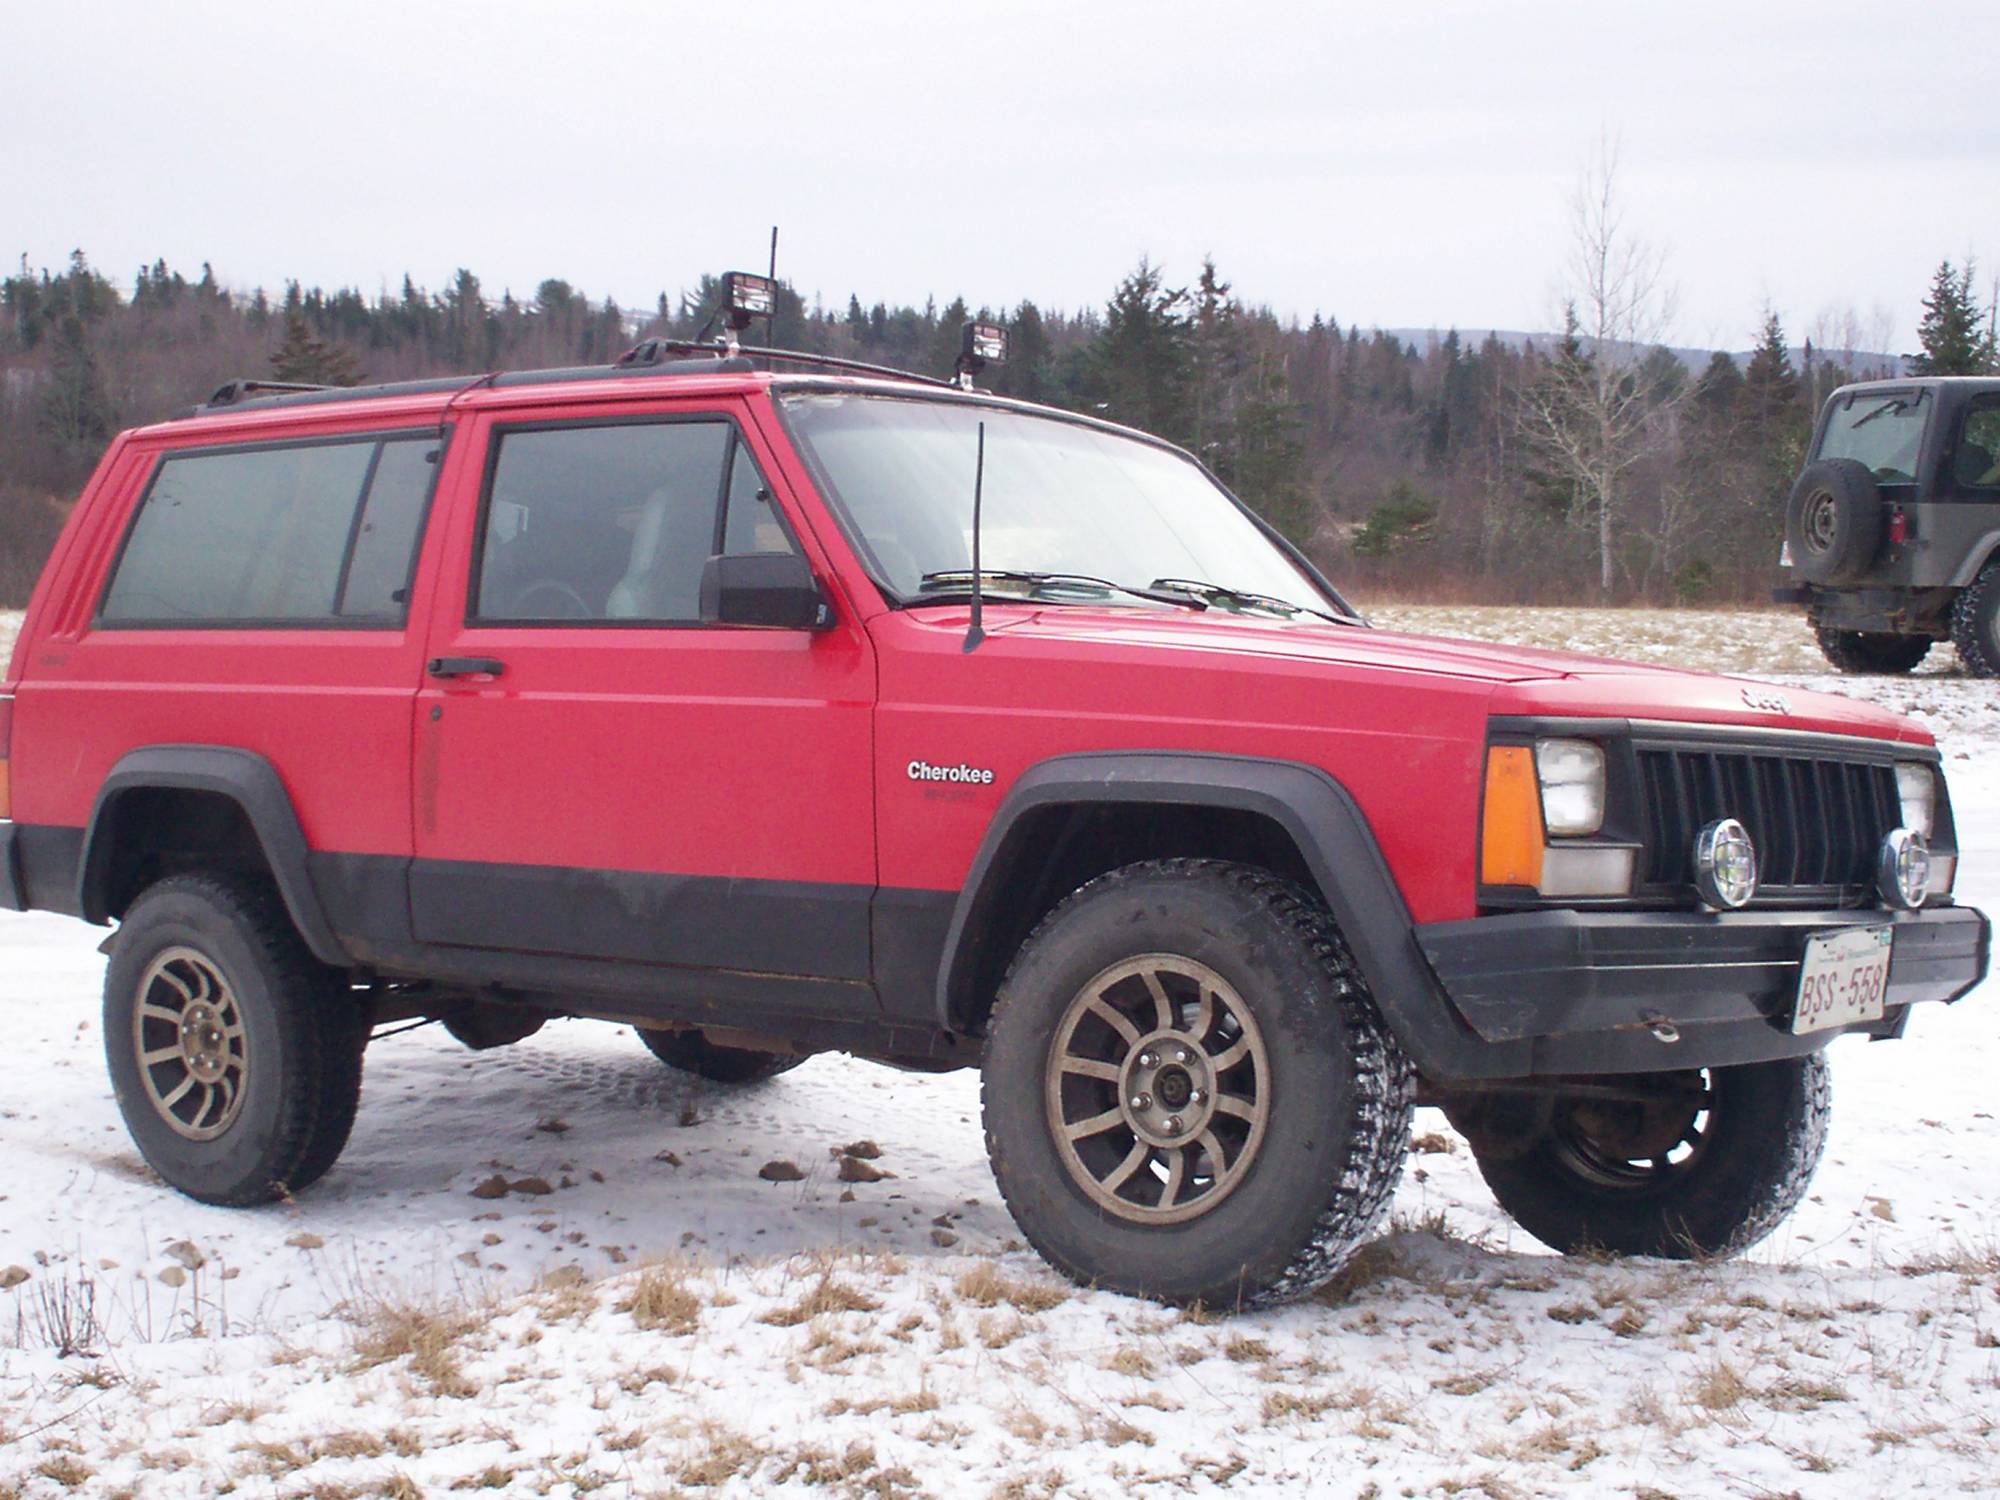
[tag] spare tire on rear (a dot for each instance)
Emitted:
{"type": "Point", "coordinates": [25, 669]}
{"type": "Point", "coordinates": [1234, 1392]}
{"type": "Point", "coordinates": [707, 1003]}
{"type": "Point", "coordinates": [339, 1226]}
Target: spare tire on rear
{"type": "Point", "coordinates": [1833, 521]}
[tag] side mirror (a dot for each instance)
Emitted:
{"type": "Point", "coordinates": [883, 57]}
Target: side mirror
{"type": "Point", "coordinates": [763, 588]}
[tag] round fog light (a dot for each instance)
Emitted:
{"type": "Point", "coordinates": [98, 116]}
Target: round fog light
{"type": "Point", "coordinates": [1903, 873]}
{"type": "Point", "coordinates": [1725, 864]}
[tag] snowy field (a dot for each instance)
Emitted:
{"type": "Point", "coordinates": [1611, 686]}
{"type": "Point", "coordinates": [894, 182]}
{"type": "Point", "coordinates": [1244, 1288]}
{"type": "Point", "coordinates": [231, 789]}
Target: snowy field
{"type": "Point", "coordinates": [639, 1313]}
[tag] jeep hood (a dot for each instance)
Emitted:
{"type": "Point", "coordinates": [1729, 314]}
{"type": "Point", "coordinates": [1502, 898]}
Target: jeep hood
{"type": "Point", "coordinates": [1526, 680]}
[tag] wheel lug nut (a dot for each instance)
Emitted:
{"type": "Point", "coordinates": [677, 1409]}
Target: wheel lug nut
{"type": "Point", "coordinates": [1142, 1101]}
{"type": "Point", "coordinates": [1148, 1060]}
{"type": "Point", "coordinates": [1172, 1126]}
{"type": "Point", "coordinates": [1180, 1054]}
{"type": "Point", "coordinates": [1197, 1097]}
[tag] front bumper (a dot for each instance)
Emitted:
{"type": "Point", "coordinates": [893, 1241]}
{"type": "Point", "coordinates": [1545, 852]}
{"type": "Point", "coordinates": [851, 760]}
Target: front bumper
{"type": "Point", "coordinates": [1601, 992]}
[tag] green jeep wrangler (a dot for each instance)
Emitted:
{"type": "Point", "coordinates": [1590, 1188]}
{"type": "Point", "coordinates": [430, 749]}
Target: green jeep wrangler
{"type": "Point", "coordinates": [1893, 527]}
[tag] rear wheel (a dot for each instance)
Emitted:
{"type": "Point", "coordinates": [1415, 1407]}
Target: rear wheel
{"type": "Point", "coordinates": [1188, 1093]}
{"type": "Point", "coordinates": [691, 1052]}
{"type": "Point", "coordinates": [1864, 652]}
{"type": "Point", "coordinates": [1975, 623]}
{"type": "Point", "coordinates": [1707, 1166]}
{"type": "Point", "coordinates": [234, 1054]}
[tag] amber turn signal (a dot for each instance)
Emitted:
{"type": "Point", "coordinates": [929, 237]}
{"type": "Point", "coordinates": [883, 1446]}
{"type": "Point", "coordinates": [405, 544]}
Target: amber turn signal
{"type": "Point", "coordinates": [1511, 838]}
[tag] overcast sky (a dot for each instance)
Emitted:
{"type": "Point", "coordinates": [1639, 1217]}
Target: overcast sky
{"type": "Point", "coordinates": [1402, 165]}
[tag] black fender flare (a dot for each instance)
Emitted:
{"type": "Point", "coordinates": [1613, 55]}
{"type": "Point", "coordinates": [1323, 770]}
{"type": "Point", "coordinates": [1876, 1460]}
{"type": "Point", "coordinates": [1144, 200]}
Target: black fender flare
{"type": "Point", "coordinates": [247, 779]}
{"type": "Point", "coordinates": [1322, 819]}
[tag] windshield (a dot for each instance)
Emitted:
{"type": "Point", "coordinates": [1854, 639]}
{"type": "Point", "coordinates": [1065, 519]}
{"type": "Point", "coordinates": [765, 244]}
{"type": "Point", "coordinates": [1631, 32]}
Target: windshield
{"type": "Point", "coordinates": [1882, 431]}
{"type": "Point", "coordinates": [1058, 498]}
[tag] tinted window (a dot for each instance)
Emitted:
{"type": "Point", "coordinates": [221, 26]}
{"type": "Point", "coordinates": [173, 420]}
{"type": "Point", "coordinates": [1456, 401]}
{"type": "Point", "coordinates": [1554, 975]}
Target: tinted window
{"type": "Point", "coordinates": [378, 569]}
{"type": "Point", "coordinates": [1976, 463]}
{"type": "Point", "coordinates": [1883, 431]}
{"type": "Point", "coordinates": [241, 536]}
{"type": "Point", "coordinates": [614, 523]}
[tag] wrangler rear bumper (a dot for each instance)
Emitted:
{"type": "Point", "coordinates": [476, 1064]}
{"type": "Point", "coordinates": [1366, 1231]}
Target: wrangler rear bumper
{"type": "Point", "coordinates": [1618, 992]}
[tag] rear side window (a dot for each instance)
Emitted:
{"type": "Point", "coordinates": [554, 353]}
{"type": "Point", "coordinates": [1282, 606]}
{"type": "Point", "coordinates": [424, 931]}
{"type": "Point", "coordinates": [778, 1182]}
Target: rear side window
{"type": "Point", "coordinates": [305, 534]}
{"type": "Point", "coordinates": [613, 523]}
{"type": "Point", "coordinates": [1976, 459]}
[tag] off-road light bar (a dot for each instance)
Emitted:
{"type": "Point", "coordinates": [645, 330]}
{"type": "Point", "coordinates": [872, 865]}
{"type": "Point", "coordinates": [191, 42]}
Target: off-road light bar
{"type": "Point", "coordinates": [747, 297]}
{"type": "Point", "coordinates": [1903, 870]}
{"type": "Point", "coordinates": [1725, 864]}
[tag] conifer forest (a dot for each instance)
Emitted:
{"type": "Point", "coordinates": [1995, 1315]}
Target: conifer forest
{"type": "Point", "coordinates": [1592, 462]}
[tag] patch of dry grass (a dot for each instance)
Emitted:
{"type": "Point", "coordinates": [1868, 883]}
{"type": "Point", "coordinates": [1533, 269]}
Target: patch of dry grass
{"type": "Point", "coordinates": [429, 1337]}
{"type": "Point", "coordinates": [662, 1300]}
{"type": "Point", "coordinates": [986, 1285]}
{"type": "Point", "coordinates": [827, 1295]}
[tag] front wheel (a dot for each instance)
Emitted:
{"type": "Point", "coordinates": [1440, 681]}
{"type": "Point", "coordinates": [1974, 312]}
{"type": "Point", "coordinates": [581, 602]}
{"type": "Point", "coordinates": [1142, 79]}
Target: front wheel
{"type": "Point", "coordinates": [1867, 653]}
{"type": "Point", "coordinates": [1703, 1163]}
{"type": "Point", "coordinates": [1188, 1092]}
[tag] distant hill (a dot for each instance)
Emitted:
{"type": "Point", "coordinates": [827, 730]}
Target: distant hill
{"type": "Point", "coordinates": [1863, 362]}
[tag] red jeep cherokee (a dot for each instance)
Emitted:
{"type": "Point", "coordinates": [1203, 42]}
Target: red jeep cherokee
{"type": "Point", "coordinates": [694, 697]}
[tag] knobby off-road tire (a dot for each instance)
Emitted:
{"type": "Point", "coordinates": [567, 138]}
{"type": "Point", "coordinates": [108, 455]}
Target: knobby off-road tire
{"type": "Point", "coordinates": [1246, 1032]}
{"type": "Point", "coordinates": [1599, 1177]}
{"type": "Point", "coordinates": [1975, 623]}
{"type": "Point", "coordinates": [1834, 520]}
{"type": "Point", "coordinates": [234, 1054]}
{"type": "Point", "coordinates": [691, 1052]}
{"type": "Point", "coordinates": [1868, 653]}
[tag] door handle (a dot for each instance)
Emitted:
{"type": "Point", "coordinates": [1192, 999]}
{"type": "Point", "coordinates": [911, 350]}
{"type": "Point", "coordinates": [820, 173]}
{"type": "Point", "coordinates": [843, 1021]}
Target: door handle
{"type": "Point", "coordinates": [464, 666]}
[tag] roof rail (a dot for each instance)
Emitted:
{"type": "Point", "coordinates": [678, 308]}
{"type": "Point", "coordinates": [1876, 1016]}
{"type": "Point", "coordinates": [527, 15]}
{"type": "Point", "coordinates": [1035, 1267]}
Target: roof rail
{"type": "Point", "coordinates": [652, 351]}
{"type": "Point", "coordinates": [238, 390]}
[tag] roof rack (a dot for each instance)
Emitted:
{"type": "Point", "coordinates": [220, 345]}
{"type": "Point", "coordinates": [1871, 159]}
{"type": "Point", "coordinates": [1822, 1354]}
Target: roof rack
{"type": "Point", "coordinates": [652, 351]}
{"type": "Point", "coordinates": [649, 357]}
{"type": "Point", "coordinates": [262, 394]}
{"type": "Point", "coordinates": [238, 390]}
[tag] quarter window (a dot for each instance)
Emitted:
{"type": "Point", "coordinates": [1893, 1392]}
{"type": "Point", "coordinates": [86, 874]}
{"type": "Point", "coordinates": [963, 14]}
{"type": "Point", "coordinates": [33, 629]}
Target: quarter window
{"type": "Point", "coordinates": [305, 534]}
{"type": "Point", "coordinates": [613, 524]}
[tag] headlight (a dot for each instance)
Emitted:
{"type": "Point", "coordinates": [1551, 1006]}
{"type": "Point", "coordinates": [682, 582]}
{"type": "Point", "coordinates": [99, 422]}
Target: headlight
{"type": "Point", "coordinates": [1572, 776]}
{"type": "Point", "coordinates": [1917, 787]}
{"type": "Point", "coordinates": [1556, 788]}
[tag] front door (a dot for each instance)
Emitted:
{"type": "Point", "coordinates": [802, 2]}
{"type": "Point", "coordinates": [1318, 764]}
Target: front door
{"type": "Point", "coordinates": [599, 775]}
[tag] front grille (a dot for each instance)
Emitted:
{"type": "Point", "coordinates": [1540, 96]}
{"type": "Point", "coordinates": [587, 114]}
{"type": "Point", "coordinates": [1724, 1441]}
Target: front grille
{"type": "Point", "coordinates": [1818, 823]}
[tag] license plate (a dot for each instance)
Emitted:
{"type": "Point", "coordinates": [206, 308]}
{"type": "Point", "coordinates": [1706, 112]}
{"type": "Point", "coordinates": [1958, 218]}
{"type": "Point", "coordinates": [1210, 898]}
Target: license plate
{"type": "Point", "coordinates": [1844, 979]}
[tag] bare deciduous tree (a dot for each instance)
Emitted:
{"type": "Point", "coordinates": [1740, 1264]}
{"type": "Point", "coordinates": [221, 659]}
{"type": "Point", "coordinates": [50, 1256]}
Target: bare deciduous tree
{"type": "Point", "coordinates": [1600, 406]}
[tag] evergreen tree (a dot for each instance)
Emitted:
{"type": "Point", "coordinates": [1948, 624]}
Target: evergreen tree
{"type": "Point", "coordinates": [311, 361]}
{"type": "Point", "coordinates": [1953, 341]}
{"type": "Point", "coordinates": [75, 410]}
{"type": "Point", "coordinates": [1142, 365]}
{"type": "Point", "coordinates": [1720, 385]}
{"type": "Point", "coordinates": [1770, 384]}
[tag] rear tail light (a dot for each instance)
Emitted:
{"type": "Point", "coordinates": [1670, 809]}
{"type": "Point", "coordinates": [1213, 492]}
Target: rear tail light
{"type": "Point", "coordinates": [6, 746]}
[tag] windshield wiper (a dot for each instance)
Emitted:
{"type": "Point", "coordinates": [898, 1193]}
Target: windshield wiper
{"type": "Point", "coordinates": [1216, 593]}
{"type": "Point", "coordinates": [1896, 404]}
{"type": "Point", "coordinates": [962, 579]}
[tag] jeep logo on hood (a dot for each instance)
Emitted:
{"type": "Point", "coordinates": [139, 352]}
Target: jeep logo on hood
{"type": "Point", "coordinates": [1766, 700]}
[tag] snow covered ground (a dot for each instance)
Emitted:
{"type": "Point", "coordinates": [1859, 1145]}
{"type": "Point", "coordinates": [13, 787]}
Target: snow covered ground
{"type": "Point", "coordinates": [642, 1314]}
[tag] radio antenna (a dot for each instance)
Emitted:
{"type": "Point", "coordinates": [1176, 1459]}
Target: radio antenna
{"type": "Point", "coordinates": [974, 632]}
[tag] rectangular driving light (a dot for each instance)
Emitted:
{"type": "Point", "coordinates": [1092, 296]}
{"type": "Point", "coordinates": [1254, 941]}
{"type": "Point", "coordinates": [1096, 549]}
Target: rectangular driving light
{"type": "Point", "coordinates": [748, 297]}
{"type": "Point", "coordinates": [983, 344]}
